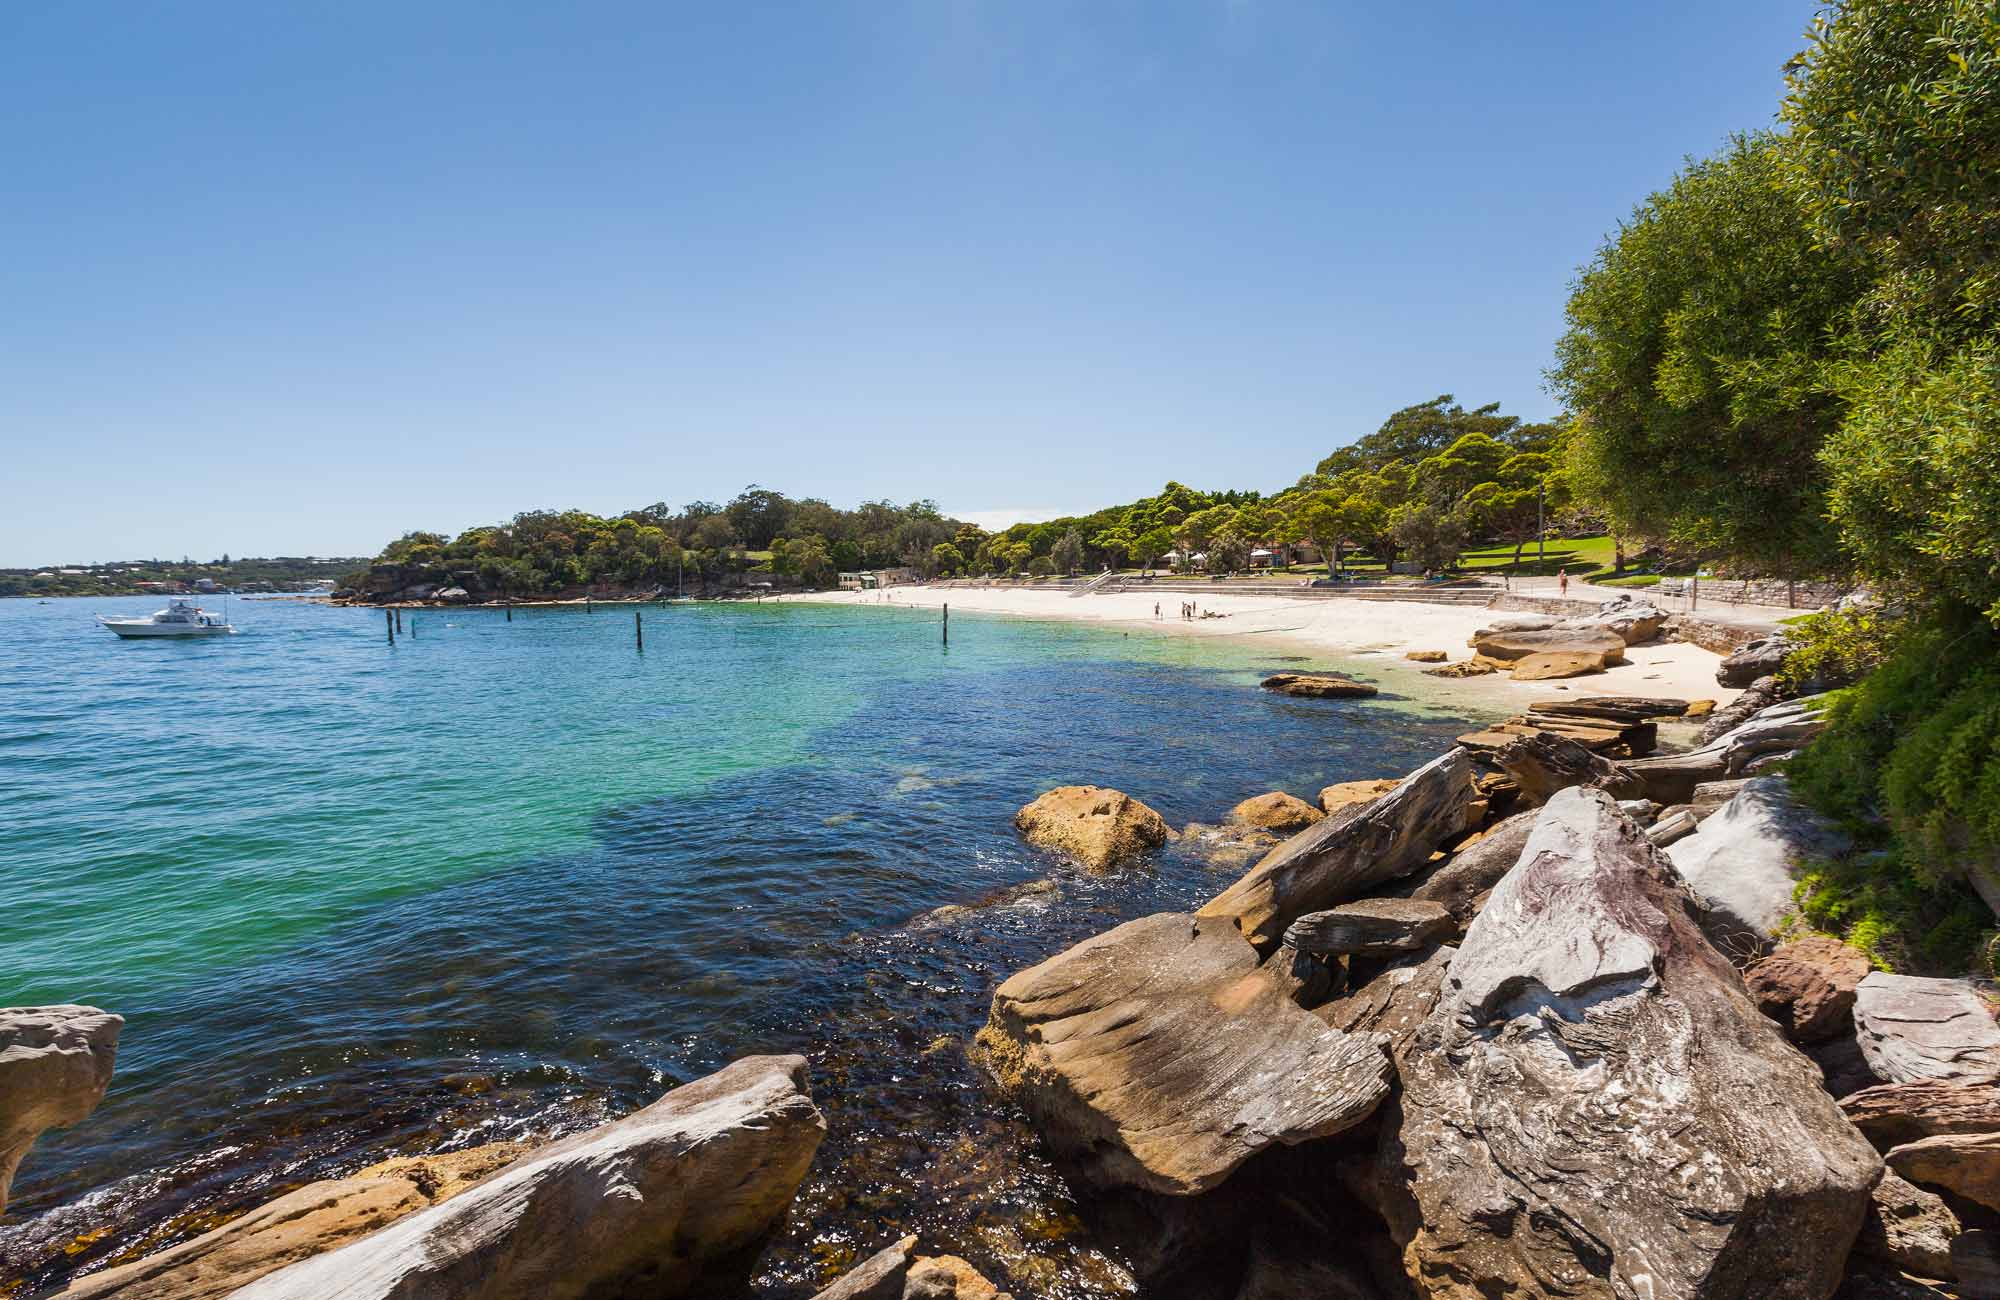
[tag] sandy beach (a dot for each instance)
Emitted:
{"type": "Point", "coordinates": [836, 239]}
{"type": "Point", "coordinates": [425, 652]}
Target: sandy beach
{"type": "Point", "coordinates": [1367, 635]}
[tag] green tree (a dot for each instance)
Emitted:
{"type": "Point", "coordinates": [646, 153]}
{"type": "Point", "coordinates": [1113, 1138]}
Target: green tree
{"type": "Point", "coordinates": [1151, 545]}
{"type": "Point", "coordinates": [1431, 534]}
{"type": "Point", "coordinates": [946, 559]}
{"type": "Point", "coordinates": [1067, 552]}
{"type": "Point", "coordinates": [1116, 544]}
{"type": "Point", "coordinates": [1018, 555]}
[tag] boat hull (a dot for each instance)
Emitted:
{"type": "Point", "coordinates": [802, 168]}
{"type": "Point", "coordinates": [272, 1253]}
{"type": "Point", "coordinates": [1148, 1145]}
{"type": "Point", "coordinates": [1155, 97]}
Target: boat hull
{"type": "Point", "coordinates": [141, 630]}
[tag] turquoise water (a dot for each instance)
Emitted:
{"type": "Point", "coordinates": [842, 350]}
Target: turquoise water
{"type": "Point", "coordinates": [509, 878]}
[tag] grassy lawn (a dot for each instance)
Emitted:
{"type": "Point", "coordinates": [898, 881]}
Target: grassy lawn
{"type": "Point", "coordinates": [1580, 555]}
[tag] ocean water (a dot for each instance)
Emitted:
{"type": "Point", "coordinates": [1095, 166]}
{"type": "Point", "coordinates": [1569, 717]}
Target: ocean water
{"type": "Point", "coordinates": [508, 879]}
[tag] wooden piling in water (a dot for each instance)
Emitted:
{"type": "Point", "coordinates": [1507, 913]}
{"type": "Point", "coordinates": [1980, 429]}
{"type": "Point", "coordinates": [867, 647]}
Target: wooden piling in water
{"type": "Point", "coordinates": [947, 625]}
{"type": "Point", "coordinates": [399, 618]}
{"type": "Point", "coordinates": [639, 631]}
{"type": "Point", "coordinates": [510, 613]}
{"type": "Point", "coordinates": [389, 624]}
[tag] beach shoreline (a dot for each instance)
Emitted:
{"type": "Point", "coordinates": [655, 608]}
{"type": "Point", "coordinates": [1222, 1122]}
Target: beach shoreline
{"type": "Point", "coordinates": [1373, 636]}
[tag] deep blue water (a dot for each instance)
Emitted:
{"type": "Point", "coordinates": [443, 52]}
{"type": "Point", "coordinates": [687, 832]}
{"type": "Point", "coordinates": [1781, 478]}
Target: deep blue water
{"type": "Point", "coordinates": [511, 878]}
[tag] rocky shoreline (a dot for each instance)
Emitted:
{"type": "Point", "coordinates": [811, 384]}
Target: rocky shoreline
{"type": "Point", "coordinates": [1533, 1020]}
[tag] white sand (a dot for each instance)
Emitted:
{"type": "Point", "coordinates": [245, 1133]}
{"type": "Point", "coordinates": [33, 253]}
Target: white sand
{"type": "Point", "coordinates": [1364, 633]}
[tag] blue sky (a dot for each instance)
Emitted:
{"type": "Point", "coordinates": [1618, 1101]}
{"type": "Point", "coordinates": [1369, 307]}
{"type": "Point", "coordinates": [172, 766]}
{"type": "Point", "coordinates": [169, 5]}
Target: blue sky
{"type": "Point", "coordinates": [292, 279]}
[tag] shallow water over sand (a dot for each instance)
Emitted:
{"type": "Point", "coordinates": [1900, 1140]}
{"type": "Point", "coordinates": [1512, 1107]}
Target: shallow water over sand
{"type": "Point", "coordinates": [515, 878]}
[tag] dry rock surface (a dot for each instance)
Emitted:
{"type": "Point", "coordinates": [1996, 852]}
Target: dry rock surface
{"type": "Point", "coordinates": [638, 1206]}
{"type": "Point", "coordinates": [55, 1063]}
{"type": "Point", "coordinates": [1596, 1108]}
{"type": "Point", "coordinates": [1912, 1029]}
{"type": "Point", "coordinates": [1808, 985]}
{"type": "Point", "coordinates": [1335, 797]}
{"type": "Point", "coordinates": [1096, 826]}
{"type": "Point", "coordinates": [1277, 811]}
{"type": "Point", "coordinates": [1373, 927]}
{"type": "Point", "coordinates": [1745, 860]}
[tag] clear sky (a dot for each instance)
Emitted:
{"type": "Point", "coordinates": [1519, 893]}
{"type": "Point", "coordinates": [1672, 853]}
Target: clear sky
{"type": "Point", "coordinates": [285, 278]}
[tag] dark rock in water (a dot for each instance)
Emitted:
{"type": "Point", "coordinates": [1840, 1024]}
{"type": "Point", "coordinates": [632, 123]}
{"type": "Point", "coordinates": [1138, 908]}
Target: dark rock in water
{"type": "Point", "coordinates": [1964, 1164]}
{"type": "Point", "coordinates": [1892, 1114]}
{"type": "Point", "coordinates": [1319, 686]}
{"type": "Point", "coordinates": [55, 1063]}
{"type": "Point", "coordinates": [1596, 1108]}
{"type": "Point", "coordinates": [1913, 1029]}
{"type": "Point", "coordinates": [1760, 658]}
{"type": "Point", "coordinates": [1352, 851]}
{"type": "Point", "coordinates": [1461, 880]}
{"type": "Point", "coordinates": [1807, 986]}
{"type": "Point", "coordinates": [1909, 1228]}
{"type": "Point", "coordinates": [643, 1204]}
{"type": "Point", "coordinates": [1373, 927]}
{"type": "Point", "coordinates": [879, 1277]}
{"type": "Point", "coordinates": [1161, 1055]}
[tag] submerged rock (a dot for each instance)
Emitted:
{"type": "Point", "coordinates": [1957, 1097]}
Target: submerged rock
{"type": "Point", "coordinates": [879, 1277]}
{"type": "Point", "coordinates": [1098, 827]}
{"type": "Point", "coordinates": [947, 1277]}
{"type": "Point", "coordinates": [1596, 1109]}
{"type": "Point", "coordinates": [1163, 1054]}
{"type": "Point", "coordinates": [55, 1063]}
{"type": "Point", "coordinates": [1319, 686]}
{"type": "Point", "coordinates": [642, 1204]}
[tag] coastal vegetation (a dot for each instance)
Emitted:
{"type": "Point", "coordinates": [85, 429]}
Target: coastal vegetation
{"type": "Point", "coordinates": [137, 577]}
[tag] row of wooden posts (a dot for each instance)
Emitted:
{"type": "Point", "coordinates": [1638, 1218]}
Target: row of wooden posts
{"type": "Point", "coordinates": [392, 620]}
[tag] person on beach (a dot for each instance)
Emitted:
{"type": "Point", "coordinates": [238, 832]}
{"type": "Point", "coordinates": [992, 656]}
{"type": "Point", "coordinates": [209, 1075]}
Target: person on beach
{"type": "Point", "coordinates": [1156, 611]}
{"type": "Point", "coordinates": [1562, 581]}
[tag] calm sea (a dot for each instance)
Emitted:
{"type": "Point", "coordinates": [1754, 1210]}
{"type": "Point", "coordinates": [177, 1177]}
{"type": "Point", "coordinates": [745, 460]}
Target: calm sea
{"type": "Point", "coordinates": [508, 879]}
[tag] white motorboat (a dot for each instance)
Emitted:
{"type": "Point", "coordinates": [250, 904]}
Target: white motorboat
{"type": "Point", "coordinates": [179, 618]}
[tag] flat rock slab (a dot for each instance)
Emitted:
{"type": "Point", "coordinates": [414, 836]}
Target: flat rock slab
{"type": "Point", "coordinates": [1964, 1164]}
{"type": "Point", "coordinates": [1552, 665]}
{"type": "Point", "coordinates": [1607, 646]}
{"type": "Point", "coordinates": [1744, 861]}
{"type": "Point", "coordinates": [637, 1206]}
{"type": "Point", "coordinates": [1353, 850]}
{"type": "Point", "coordinates": [1808, 985]}
{"type": "Point", "coordinates": [1372, 927]}
{"type": "Point", "coordinates": [55, 1063]}
{"type": "Point", "coordinates": [1596, 1109]}
{"type": "Point", "coordinates": [1337, 796]}
{"type": "Point", "coordinates": [1913, 1029]}
{"type": "Point", "coordinates": [1892, 1114]}
{"type": "Point", "coordinates": [1161, 1056]}
{"type": "Point", "coordinates": [1097, 826]}
{"type": "Point", "coordinates": [1319, 686]}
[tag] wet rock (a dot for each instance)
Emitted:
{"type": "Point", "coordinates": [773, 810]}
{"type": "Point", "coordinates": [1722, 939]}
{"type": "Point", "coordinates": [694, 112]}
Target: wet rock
{"type": "Point", "coordinates": [1426, 656]}
{"type": "Point", "coordinates": [316, 1218]}
{"type": "Point", "coordinates": [1807, 986]}
{"type": "Point", "coordinates": [1461, 880]}
{"type": "Point", "coordinates": [1760, 658]}
{"type": "Point", "coordinates": [879, 1277]}
{"type": "Point", "coordinates": [1337, 796]}
{"type": "Point", "coordinates": [1544, 763]}
{"type": "Point", "coordinates": [1096, 826]}
{"type": "Point", "coordinates": [1161, 1055]}
{"type": "Point", "coordinates": [947, 1277]}
{"type": "Point", "coordinates": [1277, 811]}
{"type": "Point", "coordinates": [1892, 1114]}
{"type": "Point", "coordinates": [1352, 851]}
{"type": "Point", "coordinates": [55, 1063]}
{"type": "Point", "coordinates": [1596, 1109]}
{"type": "Point", "coordinates": [1744, 862]}
{"type": "Point", "coordinates": [1396, 1002]}
{"type": "Point", "coordinates": [1318, 686]}
{"type": "Point", "coordinates": [1913, 1029]}
{"type": "Point", "coordinates": [1372, 927]}
{"type": "Point", "coordinates": [1909, 1228]}
{"type": "Point", "coordinates": [645, 1203]}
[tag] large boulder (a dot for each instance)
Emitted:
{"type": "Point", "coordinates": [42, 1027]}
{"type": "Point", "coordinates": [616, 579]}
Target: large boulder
{"type": "Point", "coordinates": [1162, 1054]}
{"type": "Point", "coordinates": [1551, 665]}
{"type": "Point", "coordinates": [1744, 861]}
{"type": "Point", "coordinates": [1277, 811]}
{"type": "Point", "coordinates": [1352, 851]}
{"type": "Point", "coordinates": [1396, 1002]}
{"type": "Point", "coordinates": [1606, 646]}
{"type": "Point", "coordinates": [1964, 1164]}
{"type": "Point", "coordinates": [1909, 1228]}
{"type": "Point", "coordinates": [1596, 1109]}
{"type": "Point", "coordinates": [1808, 985]}
{"type": "Point", "coordinates": [1372, 927]}
{"type": "Point", "coordinates": [1462, 880]}
{"type": "Point", "coordinates": [1319, 686]}
{"type": "Point", "coordinates": [1632, 619]}
{"type": "Point", "coordinates": [643, 1204]}
{"type": "Point", "coordinates": [1779, 729]}
{"type": "Point", "coordinates": [947, 1277]}
{"type": "Point", "coordinates": [1096, 826]}
{"type": "Point", "coordinates": [1891, 1114]}
{"type": "Point", "coordinates": [55, 1063]}
{"type": "Point", "coordinates": [1913, 1029]}
{"type": "Point", "coordinates": [1760, 658]}
{"type": "Point", "coordinates": [1545, 762]}
{"type": "Point", "coordinates": [314, 1219]}
{"type": "Point", "coordinates": [1342, 793]}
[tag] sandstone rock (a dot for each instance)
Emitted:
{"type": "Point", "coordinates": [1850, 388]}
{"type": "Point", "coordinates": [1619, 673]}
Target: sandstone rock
{"type": "Point", "coordinates": [1426, 656]}
{"type": "Point", "coordinates": [1276, 811]}
{"type": "Point", "coordinates": [1964, 1164]}
{"type": "Point", "coordinates": [1467, 875]}
{"type": "Point", "coordinates": [1672, 828]}
{"type": "Point", "coordinates": [947, 1277]}
{"type": "Point", "coordinates": [1744, 862]}
{"type": "Point", "coordinates": [316, 1218]}
{"type": "Point", "coordinates": [1633, 620]}
{"type": "Point", "coordinates": [1699, 708]}
{"type": "Point", "coordinates": [1550, 665]}
{"type": "Point", "coordinates": [1096, 826]}
{"type": "Point", "coordinates": [879, 1277]}
{"type": "Point", "coordinates": [1335, 797]}
{"type": "Point", "coordinates": [1162, 1056]}
{"type": "Point", "coordinates": [1608, 646]}
{"type": "Point", "coordinates": [1318, 686]}
{"type": "Point", "coordinates": [1543, 764]}
{"type": "Point", "coordinates": [640, 1204]}
{"type": "Point", "coordinates": [1621, 710]}
{"type": "Point", "coordinates": [1760, 658]}
{"type": "Point", "coordinates": [1355, 849]}
{"type": "Point", "coordinates": [1909, 1228]}
{"type": "Point", "coordinates": [1477, 666]}
{"type": "Point", "coordinates": [1892, 1114]}
{"type": "Point", "coordinates": [1396, 1002]}
{"type": "Point", "coordinates": [55, 1063]}
{"type": "Point", "coordinates": [1758, 696]}
{"type": "Point", "coordinates": [1372, 927]}
{"type": "Point", "coordinates": [1913, 1029]}
{"type": "Point", "coordinates": [1595, 1109]}
{"type": "Point", "coordinates": [1807, 986]}
{"type": "Point", "coordinates": [1672, 778]}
